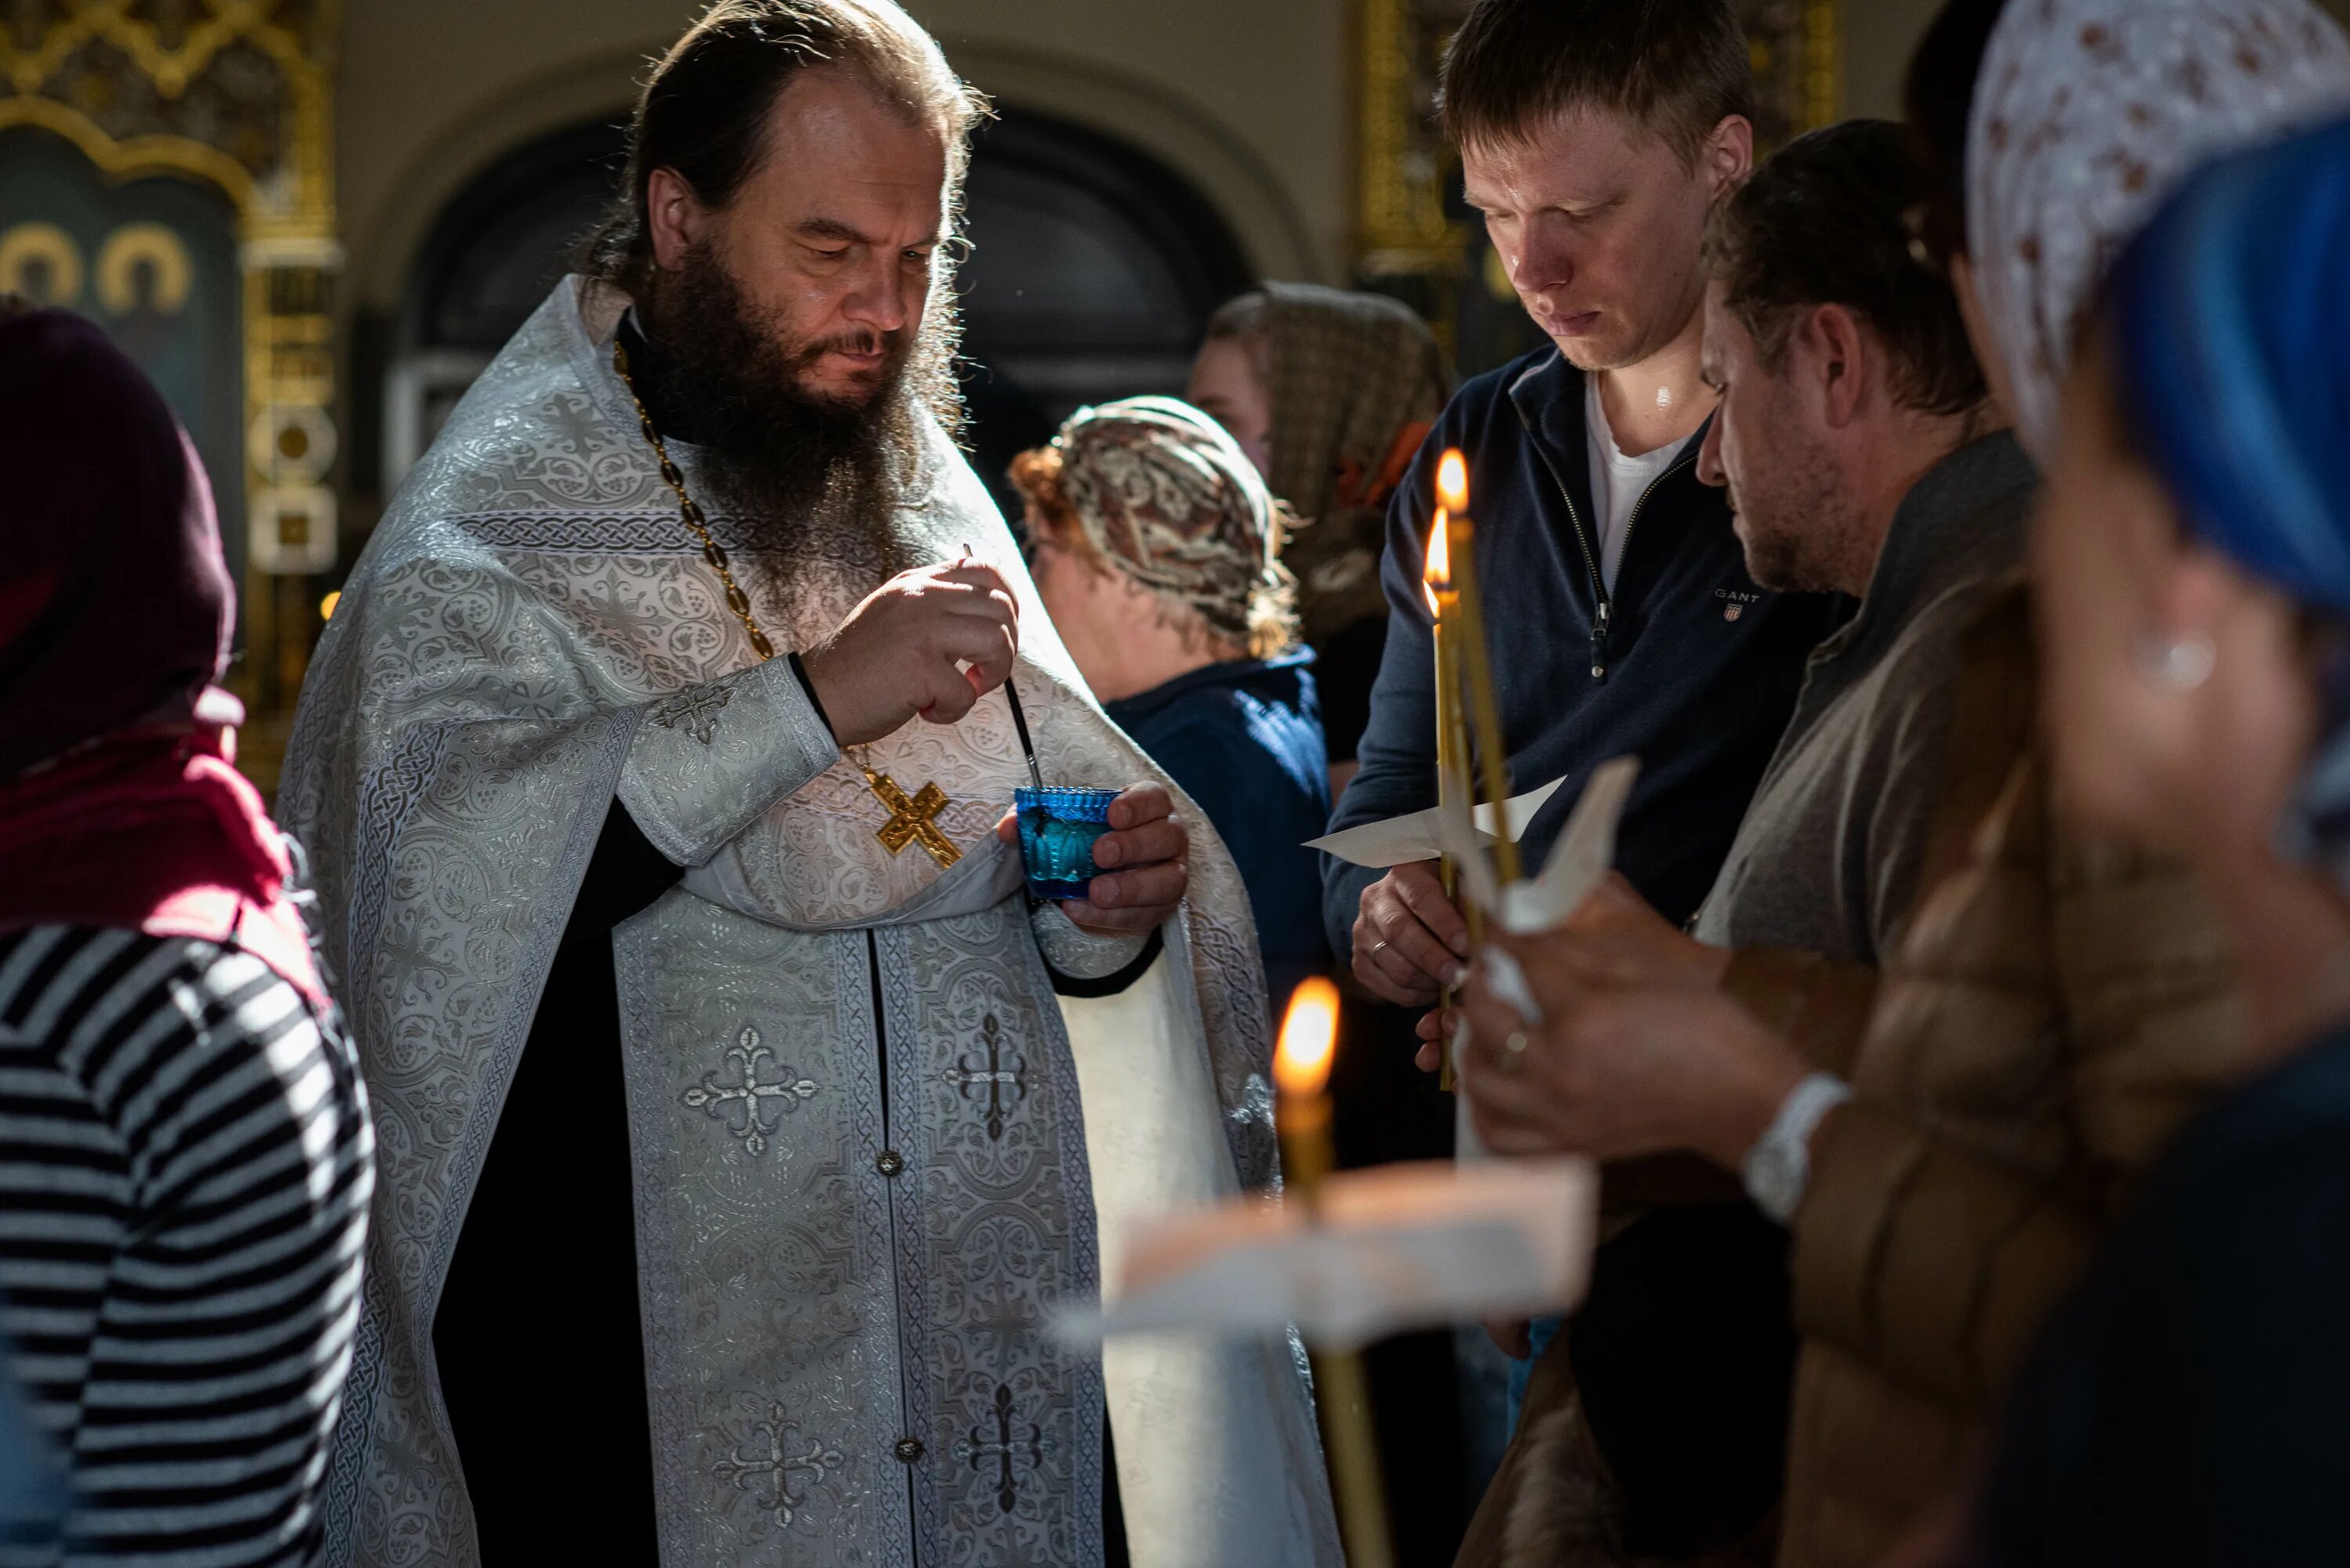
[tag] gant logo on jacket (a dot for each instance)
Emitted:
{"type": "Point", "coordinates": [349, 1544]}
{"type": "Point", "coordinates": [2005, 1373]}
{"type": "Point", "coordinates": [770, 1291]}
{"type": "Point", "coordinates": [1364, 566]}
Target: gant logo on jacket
{"type": "Point", "coordinates": [1734, 602]}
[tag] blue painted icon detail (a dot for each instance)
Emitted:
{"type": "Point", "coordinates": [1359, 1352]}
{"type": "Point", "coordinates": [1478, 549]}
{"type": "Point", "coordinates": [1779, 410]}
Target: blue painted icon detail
{"type": "Point", "coordinates": [1058, 829]}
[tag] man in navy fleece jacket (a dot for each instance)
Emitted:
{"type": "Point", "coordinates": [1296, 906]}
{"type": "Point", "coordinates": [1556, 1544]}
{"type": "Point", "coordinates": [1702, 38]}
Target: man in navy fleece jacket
{"type": "Point", "coordinates": [1597, 137]}
{"type": "Point", "coordinates": [1617, 605]}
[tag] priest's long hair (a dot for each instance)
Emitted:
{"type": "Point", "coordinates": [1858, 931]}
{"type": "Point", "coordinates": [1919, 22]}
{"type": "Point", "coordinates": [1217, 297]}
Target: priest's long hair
{"type": "Point", "coordinates": [703, 112]}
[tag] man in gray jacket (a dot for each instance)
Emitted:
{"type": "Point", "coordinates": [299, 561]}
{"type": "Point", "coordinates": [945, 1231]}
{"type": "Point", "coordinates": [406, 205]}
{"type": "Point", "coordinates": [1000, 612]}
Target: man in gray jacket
{"type": "Point", "coordinates": [1861, 453]}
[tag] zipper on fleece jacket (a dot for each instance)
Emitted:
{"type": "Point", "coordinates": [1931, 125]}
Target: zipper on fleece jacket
{"type": "Point", "coordinates": [1599, 622]}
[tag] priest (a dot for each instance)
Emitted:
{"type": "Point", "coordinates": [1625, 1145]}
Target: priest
{"type": "Point", "coordinates": [743, 1125]}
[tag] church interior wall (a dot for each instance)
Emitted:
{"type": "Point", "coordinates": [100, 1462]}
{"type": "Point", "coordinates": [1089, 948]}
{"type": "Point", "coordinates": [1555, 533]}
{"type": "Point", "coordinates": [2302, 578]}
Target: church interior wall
{"type": "Point", "coordinates": [1246, 100]}
{"type": "Point", "coordinates": [1247, 112]}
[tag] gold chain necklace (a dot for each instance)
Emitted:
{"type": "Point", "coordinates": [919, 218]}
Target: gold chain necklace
{"type": "Point", "coordinates": [913, 819]}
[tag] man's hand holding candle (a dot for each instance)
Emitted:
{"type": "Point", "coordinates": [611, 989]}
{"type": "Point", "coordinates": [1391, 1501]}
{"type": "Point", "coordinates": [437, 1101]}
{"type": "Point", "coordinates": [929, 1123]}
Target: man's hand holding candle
{"type": "Point", "coordinates": [1614, 939]}
{"type": "Point", "coordinates": [1617, 1071]}
{"type": "Point", "coordinates": [1409, 939]}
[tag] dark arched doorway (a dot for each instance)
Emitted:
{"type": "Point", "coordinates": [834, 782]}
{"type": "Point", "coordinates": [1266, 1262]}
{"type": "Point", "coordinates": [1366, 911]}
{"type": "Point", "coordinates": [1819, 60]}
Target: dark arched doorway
{"type": "Point", "coordinates": [1093, 271]}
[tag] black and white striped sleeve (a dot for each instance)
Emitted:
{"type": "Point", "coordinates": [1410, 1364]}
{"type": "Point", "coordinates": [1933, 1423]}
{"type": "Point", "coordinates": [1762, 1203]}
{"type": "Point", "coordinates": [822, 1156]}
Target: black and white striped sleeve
{"type": "Point", "coordinates": [185, 1165]}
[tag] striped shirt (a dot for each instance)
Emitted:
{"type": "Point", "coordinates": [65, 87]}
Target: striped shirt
{"type": "Point", "coordinates": [185, 1164]}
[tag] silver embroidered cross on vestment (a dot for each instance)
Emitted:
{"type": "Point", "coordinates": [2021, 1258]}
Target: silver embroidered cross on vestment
{"type": "Point", "coordinates": [695, 713]}
{"type": "Point", "coordinates": [751, 1094]}
{"type": "Point", "coordinates": [1002, 1076]}
{"type": "Point", "coordinates": [771, 1453]}
{"type": "Point", "coordinates": [1014, 1450]}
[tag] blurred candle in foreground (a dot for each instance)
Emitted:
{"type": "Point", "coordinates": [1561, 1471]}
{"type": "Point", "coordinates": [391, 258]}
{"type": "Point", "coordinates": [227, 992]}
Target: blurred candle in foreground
{"type": "Point", "coordinates": [1436, 571]}
{"type": "Point", "coordinates": [1301, 1072]}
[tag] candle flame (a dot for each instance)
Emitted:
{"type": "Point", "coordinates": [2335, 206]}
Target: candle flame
{"type": "Point", "coordinates": [1452, 481]}
{"type": "Point", "coordinates": [1439, 570]}
{"type": "Point", "coordinates": [1309, 1038]}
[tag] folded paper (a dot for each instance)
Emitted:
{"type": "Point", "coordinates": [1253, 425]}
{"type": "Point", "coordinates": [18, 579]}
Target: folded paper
{"type": "Point", "coordinates": [1400, 840]}
{"type": "Point", "coordinates": [1394, 1249]}
{"type": "Point", "coordinates": [1577, 862]}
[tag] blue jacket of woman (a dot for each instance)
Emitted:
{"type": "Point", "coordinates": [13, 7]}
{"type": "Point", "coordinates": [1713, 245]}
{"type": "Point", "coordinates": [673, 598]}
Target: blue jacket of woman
{"type": "Point", "coordinates": [1244, 740]}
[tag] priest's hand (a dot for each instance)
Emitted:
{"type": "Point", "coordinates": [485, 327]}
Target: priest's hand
{"type": "Point", "coordinates": [1618, 1071]}
{"type": "Point", "coordinates": [927, 643]}
{"type": "Point", "coordinates": [1409, 941]}
{"type": "Point", "coordinates": [1143, 865]}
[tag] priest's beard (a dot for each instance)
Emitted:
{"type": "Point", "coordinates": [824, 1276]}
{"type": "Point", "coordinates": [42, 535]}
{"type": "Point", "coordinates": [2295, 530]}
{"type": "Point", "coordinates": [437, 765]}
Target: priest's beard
{"type": "Point", "coordinates": [813, 481]}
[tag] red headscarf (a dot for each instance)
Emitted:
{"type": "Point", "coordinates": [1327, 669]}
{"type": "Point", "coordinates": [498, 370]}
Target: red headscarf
{"type": "Point", "coordinates": [117, 804]}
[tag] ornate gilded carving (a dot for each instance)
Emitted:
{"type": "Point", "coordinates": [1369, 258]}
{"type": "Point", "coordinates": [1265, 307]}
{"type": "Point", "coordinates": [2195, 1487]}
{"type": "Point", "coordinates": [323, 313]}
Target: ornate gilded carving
{"type": "Point", "coordinates": [1404, 164]}
{"type": "Point", "coordinates": [1797, 47]}
{"type": "Point", "coordinates": [236, 94]}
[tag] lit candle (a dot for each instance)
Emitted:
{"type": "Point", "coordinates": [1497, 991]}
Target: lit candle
{"type": "Point", "coordinates": [1468, 648]}
{"type": "Point", "coordinates": [1451, 722]}
{"type": "Point", "coordinates": [1452, 777]}
{"type": "Point", "coordinates": [1301, 1072]}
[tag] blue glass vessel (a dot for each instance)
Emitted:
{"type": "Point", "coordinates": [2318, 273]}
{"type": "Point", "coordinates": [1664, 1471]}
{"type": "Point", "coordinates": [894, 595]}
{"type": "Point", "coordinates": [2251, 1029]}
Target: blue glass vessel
{"type": "Point", "coordinates": [1058, 829]}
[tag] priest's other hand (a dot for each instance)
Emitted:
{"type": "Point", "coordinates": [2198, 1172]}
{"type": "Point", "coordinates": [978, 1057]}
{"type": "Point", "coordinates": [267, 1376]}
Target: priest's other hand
{"type": "Point", "coordinates": [1409, 941]}
{"type": "Point", "coordinates": [1616, 1072]}
{"type": "Point", "coordinates": [927, 643]}
{"type": "Point", "coordinates": [1151, 850]}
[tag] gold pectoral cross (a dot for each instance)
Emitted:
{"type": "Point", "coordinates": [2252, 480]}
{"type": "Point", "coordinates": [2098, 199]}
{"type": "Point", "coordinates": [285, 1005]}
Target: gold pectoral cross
{"type": "Point", "coordinates": [911, 818]}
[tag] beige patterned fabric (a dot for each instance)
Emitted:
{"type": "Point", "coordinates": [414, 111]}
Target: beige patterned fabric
{"type": "Point", "coordinates": [1167, 498]}
{"type": "Point", "coordinates": [2087, 112]}
{"type": "Point", "coordinates": [1352, 372]}
{"type": "Point", "coordinates": [848, 1357]}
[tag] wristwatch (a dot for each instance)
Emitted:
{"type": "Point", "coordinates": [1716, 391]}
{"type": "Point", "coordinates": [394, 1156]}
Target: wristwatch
{"type": "Point", "coordinates": [1779, 1167]}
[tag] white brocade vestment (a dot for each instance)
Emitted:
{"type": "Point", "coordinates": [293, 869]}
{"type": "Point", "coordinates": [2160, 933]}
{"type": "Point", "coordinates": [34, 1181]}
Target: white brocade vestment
{"type": "Point", "coordinates": [871, 1148]}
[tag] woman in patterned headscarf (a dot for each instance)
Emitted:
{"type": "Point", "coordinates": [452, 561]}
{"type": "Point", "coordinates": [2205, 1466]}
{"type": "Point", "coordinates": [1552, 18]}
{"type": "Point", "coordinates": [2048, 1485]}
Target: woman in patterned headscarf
{"type": "Point", "coordinates": [2194, 564]}
{"type": "Point", "coordinates": [1156, 549]}
{"type": "Point", "coordinates": [1330, 393]}
{"type": "Point", "coordinates": [2056, 126]}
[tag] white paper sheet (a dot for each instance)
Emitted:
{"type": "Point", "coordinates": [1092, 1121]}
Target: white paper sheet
{"type": "Point", "coordinates": [1398, 1247]}
{"type": "Point", "coordinates": [1400, 840]}
{"type": "Point", "coordinates": [1579, 860]}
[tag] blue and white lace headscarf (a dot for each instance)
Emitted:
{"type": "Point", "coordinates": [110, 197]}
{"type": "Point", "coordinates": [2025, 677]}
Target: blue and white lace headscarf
{"type": "Point", "coordinates": [2230, 318]}
{"type": "Point", "coordinates": [2086, 115]}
